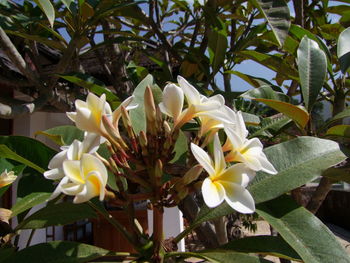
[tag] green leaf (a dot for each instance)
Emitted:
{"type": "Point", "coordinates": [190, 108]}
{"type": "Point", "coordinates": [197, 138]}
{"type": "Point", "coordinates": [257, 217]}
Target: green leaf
{"type": "Point", "coordinates": [312, 65]}
{"type": "Point", "coordinates": [265, 92]}
{"type": "Point", "coordinates": [63, 135]}
{"type": "Point", "coordinates": [339, 131]}
{"type": "Point", "coordinates": [93, 85]}
{"type": "Point", "coordinates": [271, 126]}
{"type": "Point", "coordinates": [57, 214]}
{"type": "Point", "coordinates": [250, 119]}
{"type": "Point", "coordinates": [343, 50]}
{"type": "Point", "coordinates": [48, 9]}
{"type": "Point", "coordinates": [220, 256]}
{"type": "Point", "coordinates": [28, 202]}
{"type": "Point", "coordinates": [337, 174]}
{"type": "Point", "coordinates": [310, 238]}
{"type": "Point", "coordinates": [295, 167]}
{"type": "Point", "coordinates": [138, 117]}
{"type": "Point", "coordinates": [276, 13]}
{"type": "Point", "coordinates": [30, 149]}
{"type": "Point", "coordinates": [217, 46]}
{"type": "Point", "coordinates": [6, 152]}
{"type": "Point", "coordinates": [252, 80]}
{"type": "Point", "coordinates": [341, 115]}
{"type": "Point", "coordinates": [180, 148]}
{"type": "Point", "coordinates": [272, 62]}
{"type": "Point", "coordinates": [263, 245]}
{"type": "Point", "coordinates": [58, 252]}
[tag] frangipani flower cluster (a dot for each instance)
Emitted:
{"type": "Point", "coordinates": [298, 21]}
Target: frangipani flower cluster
{"type": "Point", "coordinates": [223, 183]}
{"type": "Point", "coordinates": [142, 158]}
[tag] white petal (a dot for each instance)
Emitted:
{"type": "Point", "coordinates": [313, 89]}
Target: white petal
{"type": "Point", "coordinates": [191, 93]}
{"type": "Point", "coordinates": [219, 98]}
{"type": "Point", "coordinates": [173, 99]}
{"type": "Point", "coordinates": [203, 159]}
{"type": "Point", "coordinates": [239, 198]}
{"type": "Point", "coordinates": [91, 164]}
{"type": "Point", "coordinates": [72, 171]}
{"type": "Point", "coordinates": [238, 173]}
{"type": "Point", "coordinates": [57, 160]}
{"type": "Point", "coordinates": [235, 139]}
{"type": "Point", "coordinates": [71, 188]}
{"type": "Point", "coordinates": [266, 165]}
{"type": "Point", "coordinates": [83, 196]}
{"type": "Point", "coordinates": [213, 194]}
{"type": "Point", "coordinates": [207, 106]}
{"type": "Point", "coordinates": [54, 174]}
{"type": "Point", "coordinates": [73, 151]}
{"type": "Point", "coordinates": [219, 158]}
{"type": "Point", "coordinates": [90, 144]}
{"type": "Point", "coordinates": [85, 120]}
{"type": "Point", "coordinates": [241, 128]}
{"type": "Point", "coordinates": [71, 115]}
{"type": "Point", "coordinates": [58, 189]}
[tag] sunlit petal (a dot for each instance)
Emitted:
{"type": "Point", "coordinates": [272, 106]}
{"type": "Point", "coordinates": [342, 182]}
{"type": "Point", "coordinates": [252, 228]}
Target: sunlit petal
{"type": "Point", "coordinates": [191, 93]}
{"type": "Point", "coordinates": [91, 164]}
{"type": "Point", "coordinates": [54, 174]}
{"type": "Point", "coordinates": [173, 98]}
{"type": "Point", "coordinates": [238, 198]}
{"type": "Point", "coordinates": [219, 159]}
{"type": "Point", "coordinates": [203, 159]}
{"type": "Point", "coordinates": [58, 159]}
{"type": "Point", "coordinates": [73, 150]}
{"type": "Point", "coordinates": [238, 173]}
{"type": "Point", "coordinates": [72, 171]}
{"type": "Point", "coordinates": [266, 165]}
{"type": "Point", "coordinates": [213, 194]}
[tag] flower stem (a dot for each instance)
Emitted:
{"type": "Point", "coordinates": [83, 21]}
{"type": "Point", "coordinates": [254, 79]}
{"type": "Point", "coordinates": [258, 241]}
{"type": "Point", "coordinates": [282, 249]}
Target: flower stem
{"type": "Point", "coordinates": [158, 256]}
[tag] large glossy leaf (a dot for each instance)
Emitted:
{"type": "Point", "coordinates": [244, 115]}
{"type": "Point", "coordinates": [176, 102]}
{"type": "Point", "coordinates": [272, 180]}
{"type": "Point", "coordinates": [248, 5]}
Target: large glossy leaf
{"type": "Point", "coordinates": [296, 113]}
{"type": "Point", "coordinates": [138, 117]}
{"type": "Point", "coordinates": [276, 13]}
{"type": "Point", "coordinates": [337, 174]}
{"type": "Point", "coordinates": [295, 167]}
{"type": "Point", "coordinates": [310, 238]}
{"type": "Point", "coordinates": [58, 214]}
{"type": "Point", "coordinates": [343, 50]}
{"type": "Point", "coordinates": [265, 92]}
{"type": "Point", "coordinates": [263, 245]}
{"type": "Point", "coordinates": [7, 153]}
{"type": "Point", "coordinates": [30, 149]}
{"type": "Point", "coordinates": [312, 65]}
{"type": "Point", "coordinates": [297, 161]}
{"type": "Point", "coordinates": [28, 202]}
{"type": "Point", "coordinates": [217, 46]}
{"type": "Point", "coordinates": [271, 126]}
{"type": "Point", "coordinates": [58, 252]}
{"type": "Point", "coordinates": [63, 135]}
{"type": "Point", "coordinates": [5, 253]}
{"type": "Point", "coordinates": [48, 9]}
{"type": "Point", "coordinates": [272, 62]}
{"type": "Point", "coordinates": [93, 85]}
{"type": "Point", "coordinates": [220, 256]}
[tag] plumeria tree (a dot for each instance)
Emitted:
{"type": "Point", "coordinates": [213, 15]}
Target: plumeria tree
{"type": "Point", "coordinates": [169, 140]}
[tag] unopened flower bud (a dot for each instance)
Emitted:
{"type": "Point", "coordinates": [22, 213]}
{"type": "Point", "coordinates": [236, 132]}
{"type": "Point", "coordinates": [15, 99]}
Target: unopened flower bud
{"type": "Point", "coordinates": [192, 174]}
{"type": "Point", "coordinates": [112, 134]}
{"type": "Point", "coordinates": [158, 171]}
{"type": "Point", "coordinates": [150, 110]}
{"type": "Point", "coordinates": [167, 129]}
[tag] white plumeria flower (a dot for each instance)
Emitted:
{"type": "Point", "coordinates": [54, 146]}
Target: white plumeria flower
{"type": "Point", "coordinates": [74, 151]}
{"type": "Point", "coordinates": [7, 178]}
{"type": "Point", "coordinates": [87, 178]}
{"type": "Point", "coordinates": [247, 151]}
{"type": "Point", "coordinates": [88, 115]}
{"type": "Point", "coordinates": [224, 183]}
{"type": "Point", "coordinates": [127, 104]}
{"type": "Point", "coordinates": [198, 105]}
